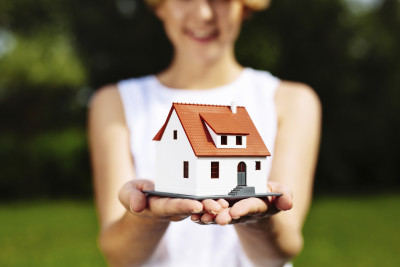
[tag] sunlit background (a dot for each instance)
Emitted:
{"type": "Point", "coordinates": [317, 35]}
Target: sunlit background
{"type": "Point", "coordinates": [55, 53]}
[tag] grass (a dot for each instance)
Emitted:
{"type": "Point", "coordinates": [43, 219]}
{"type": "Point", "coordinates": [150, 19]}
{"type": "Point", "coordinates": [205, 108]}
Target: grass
{"type": "Point", "coordinates": [352, 231]}
{"type": "Point", "coordinates": [340, 231]}
{"type": "Point", "coordinates": [61, 233]}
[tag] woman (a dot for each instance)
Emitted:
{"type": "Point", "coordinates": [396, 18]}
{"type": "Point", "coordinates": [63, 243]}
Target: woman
{"type": "Point", "coordinates": [123, 118]}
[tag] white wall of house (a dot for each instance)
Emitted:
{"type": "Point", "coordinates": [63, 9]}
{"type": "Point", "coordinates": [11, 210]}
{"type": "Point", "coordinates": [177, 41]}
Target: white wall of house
{"type": "Point", "coordinates": [230, 138]}
{"type": "Point", "coordinates": [170, 155]}
{"type": "Point", "coordinates": [228, 175]}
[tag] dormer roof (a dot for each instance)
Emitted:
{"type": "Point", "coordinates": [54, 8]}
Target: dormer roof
{"type": "Point", "coordinates": [222, 121]}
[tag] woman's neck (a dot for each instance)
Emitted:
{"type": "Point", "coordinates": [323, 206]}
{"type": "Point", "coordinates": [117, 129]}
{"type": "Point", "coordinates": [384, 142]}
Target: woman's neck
{"type": "Point", "coordinates": [183, 74]}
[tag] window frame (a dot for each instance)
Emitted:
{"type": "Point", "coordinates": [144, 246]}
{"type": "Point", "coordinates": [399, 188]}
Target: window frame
{"type": "Point", "coordinates": [186, 169]}
{"type": "Point", "coordinates": [258, 165]}
{"type": "Point", "coordinates": [214, 169]}
{"type": "Point", "coordinates": [224, 140]}
{"type": "Point", "coordinates": [239, 140]}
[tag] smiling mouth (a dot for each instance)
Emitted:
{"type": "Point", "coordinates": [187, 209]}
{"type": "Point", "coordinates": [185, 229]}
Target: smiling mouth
{"type": "Point", "coordinates": [202, 36]}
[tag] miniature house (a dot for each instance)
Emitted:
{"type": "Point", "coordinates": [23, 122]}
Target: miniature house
{"type": "Point", "coordinates": [206, 150]}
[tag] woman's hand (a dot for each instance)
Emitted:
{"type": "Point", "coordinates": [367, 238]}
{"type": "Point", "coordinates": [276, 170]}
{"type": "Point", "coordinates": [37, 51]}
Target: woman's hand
{"type": "Point", "coordinates": [250, 209]}
{"type": "Point", "coordinates": [164, 208]}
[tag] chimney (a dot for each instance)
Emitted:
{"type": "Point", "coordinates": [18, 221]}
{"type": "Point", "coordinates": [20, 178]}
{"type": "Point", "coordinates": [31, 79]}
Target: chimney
{"type": "Point", "coordinates": [233, 107]}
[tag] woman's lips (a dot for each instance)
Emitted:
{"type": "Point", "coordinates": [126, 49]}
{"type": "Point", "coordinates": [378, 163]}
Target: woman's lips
{"type": "Point", "coordinates": [202, 35]}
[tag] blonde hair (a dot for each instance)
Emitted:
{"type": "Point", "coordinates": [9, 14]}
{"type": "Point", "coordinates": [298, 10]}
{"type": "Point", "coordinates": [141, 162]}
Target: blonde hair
{"type": "Point", "coordinates": [252, 4]}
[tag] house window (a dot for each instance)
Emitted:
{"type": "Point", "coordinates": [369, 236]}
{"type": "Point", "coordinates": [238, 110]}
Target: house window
{"type": "Point", "coordinates": [224, 140]}
{"type": "Point", "coordinates": [214, 169]}
{"type": "Point", "coordinates": [238, 140]}
{"type": "Point", "coordinates": [175, 134]}
{"type": "Point", "coordinates": [186, 169]}
{"type": "Point", "coordinates": [258, 165]}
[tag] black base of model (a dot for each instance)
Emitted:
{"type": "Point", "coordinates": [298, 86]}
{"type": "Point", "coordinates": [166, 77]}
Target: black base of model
{"type": "Point", "coordinates": [245, 194]}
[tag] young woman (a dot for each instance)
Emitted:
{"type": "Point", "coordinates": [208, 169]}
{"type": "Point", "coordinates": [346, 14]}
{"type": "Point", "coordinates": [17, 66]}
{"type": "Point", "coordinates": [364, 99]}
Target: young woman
{"type": "Point", "coordinates": [123, 119]}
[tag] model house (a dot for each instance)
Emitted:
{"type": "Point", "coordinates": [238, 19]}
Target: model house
{"type": "Point", "coordinates": [206, 150]}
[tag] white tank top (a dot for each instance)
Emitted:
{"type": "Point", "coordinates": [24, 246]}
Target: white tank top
{"type": "Point", "coordinates": [147, 103]}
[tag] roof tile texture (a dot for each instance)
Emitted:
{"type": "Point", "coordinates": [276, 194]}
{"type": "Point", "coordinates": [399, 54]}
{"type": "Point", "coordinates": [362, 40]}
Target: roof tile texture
{"type": "Point", "coordinates": [222, 121]}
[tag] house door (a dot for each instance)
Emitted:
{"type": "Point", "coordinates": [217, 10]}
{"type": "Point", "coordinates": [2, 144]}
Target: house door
{"type": "Point", "coordinates": [241, 173]}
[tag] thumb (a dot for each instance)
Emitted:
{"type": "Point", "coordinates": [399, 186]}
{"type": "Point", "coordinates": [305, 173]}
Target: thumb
{"type": "Point", "coordinates": [285, 201]}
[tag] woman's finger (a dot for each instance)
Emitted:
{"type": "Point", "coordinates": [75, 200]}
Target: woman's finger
{"type": "Point", "coordinates": [164, 207]}
{"type": "Point", "coordinates": [284, 202]}
{"type": "Point", "coordinates": [223, 218]}
{"type": "Point", "coordinates": [207, 218]}
{"type": "Point", "coordinates": [248, 206]}
{"type": "Point", "coordinates": [211, 206]}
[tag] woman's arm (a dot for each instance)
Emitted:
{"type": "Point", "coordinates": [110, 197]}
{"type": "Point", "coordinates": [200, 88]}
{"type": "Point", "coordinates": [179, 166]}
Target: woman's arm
{"type": "Point", "coordinates": [276, 239]}
{"type": "Point", "coordinates": [131, 225]}
{"type": "Point", "coordinates": [112, 167]}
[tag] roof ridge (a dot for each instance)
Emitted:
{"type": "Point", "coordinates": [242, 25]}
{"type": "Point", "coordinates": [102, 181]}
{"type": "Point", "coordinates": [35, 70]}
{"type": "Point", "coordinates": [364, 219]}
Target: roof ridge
{"type": "Point", "coordinates": [209, 105]}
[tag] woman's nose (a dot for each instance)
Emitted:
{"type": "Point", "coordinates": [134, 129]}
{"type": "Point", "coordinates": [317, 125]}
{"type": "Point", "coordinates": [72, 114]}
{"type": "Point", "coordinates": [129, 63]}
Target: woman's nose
{"type": "Point", "coordinates": [204, 10]}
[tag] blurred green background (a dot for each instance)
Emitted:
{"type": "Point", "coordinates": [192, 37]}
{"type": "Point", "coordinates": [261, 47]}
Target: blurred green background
{"type": "Point", "coordinates": [55, 53]}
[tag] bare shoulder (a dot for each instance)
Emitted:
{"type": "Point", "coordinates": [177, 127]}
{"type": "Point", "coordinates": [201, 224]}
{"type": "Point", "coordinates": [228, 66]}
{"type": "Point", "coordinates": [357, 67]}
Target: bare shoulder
{"type": "Point", "coordinates": [106, 103]}
{"type": "Point", "coordinates": [296, 98]}
{"type": "Point", "coordinates": [106, 95]}
{"type": "Point", "coordinates": [105, 111]}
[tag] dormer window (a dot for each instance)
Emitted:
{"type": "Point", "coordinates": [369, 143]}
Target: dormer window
{"type": "Point", "coordinates": [225, 131]}
{"type": "Point", "coordinates": [224, 140]}
{"type": "Point", "coordinates": [238, 140]}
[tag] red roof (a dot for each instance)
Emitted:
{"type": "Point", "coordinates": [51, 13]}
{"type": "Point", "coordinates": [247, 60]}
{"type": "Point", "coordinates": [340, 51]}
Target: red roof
{"type": "Point", "coordinates": [222, 121]}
